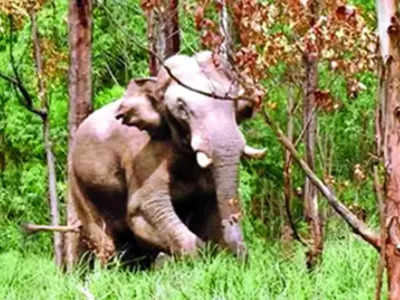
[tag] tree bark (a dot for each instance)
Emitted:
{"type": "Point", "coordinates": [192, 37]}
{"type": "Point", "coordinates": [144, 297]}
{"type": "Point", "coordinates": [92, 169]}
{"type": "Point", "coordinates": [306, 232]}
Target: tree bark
{"type": "Point", "coordinates": [383, 233]}
{"type": "Point", "coordinates": [171, 29]}
{"type": "Point", "coordinates": [311, 212]}
{"type": "Point", "coordinates": [392, 177]}
{"type": "Point", "coordinates": [287, 167]}
{"type": "Point", "coordinates": [51, 165]}
{"type": "Point", "coordinates": [287, 170]}
{"type": "Point", "coordinates": [389, 36]}
{"type": "Point", "coordinates": [163, 33]}
{"type": "Point", "coordinates": [227, 31]}
{"type": "Point", "coordinates": [52, 182]}
{"type": "Point", "coordinates": [80, 100]}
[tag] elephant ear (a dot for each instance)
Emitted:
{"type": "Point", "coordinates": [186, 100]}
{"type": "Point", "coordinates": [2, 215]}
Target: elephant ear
{"type": "Point", "coordinates": [212, 65]}
{"type": "Point", "coordinates": [139, 107]}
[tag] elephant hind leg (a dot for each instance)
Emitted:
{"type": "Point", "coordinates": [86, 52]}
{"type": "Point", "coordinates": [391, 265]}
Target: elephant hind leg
{"type": "Point", "coordinates": [95, 231]}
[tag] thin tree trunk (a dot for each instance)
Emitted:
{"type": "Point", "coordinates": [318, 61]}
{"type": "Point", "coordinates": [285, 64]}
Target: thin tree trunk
{"type": "Point", "coordinates": [389, 29]}
{"type": "Point", "coordinates": [80, 100]}
{"type": "Point", "coordinates": [351, 219]}
{"type": "Point", "coordinates": [288, 188]}
{"type": "Point", "coordinates": [311, 212]}
{"type": "Point", "coordinates": [226, 30]}
{"type": "Point", "coordinates": [171, 29]}
{"type": "Point", "coordinates": [162, 33]}
{"type": "Point", "coordinates": [290, 228]}
{"type": "Point", "coordinates": [52, 182]}
{"type": "Point", "coordinates": [287, 168]}
{"type": "Point", "coordinates": [156, 41]}
{"type": "Point", "coordinates": [51, 166]}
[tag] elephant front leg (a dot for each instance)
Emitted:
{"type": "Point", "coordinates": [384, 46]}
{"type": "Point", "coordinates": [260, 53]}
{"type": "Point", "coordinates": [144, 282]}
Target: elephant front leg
{"type": "Point", "coordinates": [157, 223]}
{"type": "Point", "coordinates": [208, 224]}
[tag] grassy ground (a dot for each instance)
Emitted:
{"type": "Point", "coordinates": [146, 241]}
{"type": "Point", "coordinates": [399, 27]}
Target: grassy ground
{"type": "Point", "coordinates": [347, 272]}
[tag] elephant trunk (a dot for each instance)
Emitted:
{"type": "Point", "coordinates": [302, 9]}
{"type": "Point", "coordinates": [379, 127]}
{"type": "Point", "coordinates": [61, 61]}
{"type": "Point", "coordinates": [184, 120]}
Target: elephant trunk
{"type": "Point", "coordinates": [225, 173]}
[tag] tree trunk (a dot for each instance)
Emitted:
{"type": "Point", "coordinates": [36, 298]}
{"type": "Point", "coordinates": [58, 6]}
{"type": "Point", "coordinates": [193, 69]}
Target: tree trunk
{"type": "Point", "coordinates": [290, 229]}
{"type": "Point", "coordinates": [392, 176]}
{"type": "Point", "coordinates": [171, 29]}
{"type": "Point", "coordinates": [310, 60]}
{"type": "Point", "coordinates": [52, 182]}
{"type": "Point", "coordinates": [389, 31]}
{"type": "Point", "coordinates": [80, 99]}
{"type": "Point", "coordinates": [51, 166]}
{"type": "Point", "coordinates": [310, 124]}
{"type": "Point", "coordinates": [163, 33]}
{"type": "Point", "coordinates": [226, 30]}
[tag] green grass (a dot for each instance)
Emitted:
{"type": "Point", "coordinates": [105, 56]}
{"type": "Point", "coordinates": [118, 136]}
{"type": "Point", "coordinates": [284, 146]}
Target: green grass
{"type": "Point", "coordinates": [347, 272]}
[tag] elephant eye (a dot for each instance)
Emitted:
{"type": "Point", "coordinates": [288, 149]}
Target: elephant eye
{"type": "Point", "coordinates": [182, 109]}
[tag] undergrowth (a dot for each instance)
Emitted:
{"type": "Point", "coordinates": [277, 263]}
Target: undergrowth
{"type": "Point", "coordinates": [273, 271]}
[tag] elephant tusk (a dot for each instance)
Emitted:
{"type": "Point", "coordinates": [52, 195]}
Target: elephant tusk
{"type": "Point", "coordinates": [203, 160]}
{"type": "Point", "coordinates": [251, 152]}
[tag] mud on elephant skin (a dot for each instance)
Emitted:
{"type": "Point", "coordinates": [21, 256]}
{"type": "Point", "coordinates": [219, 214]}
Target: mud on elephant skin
{"type": "Point", "coordinates": [162, 162]}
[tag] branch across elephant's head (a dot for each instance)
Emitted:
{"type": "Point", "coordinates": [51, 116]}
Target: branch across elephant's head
{"type": "Point", "coordinates": [197, 123]}
{"type": "Point", "coordinates": [152, 103]}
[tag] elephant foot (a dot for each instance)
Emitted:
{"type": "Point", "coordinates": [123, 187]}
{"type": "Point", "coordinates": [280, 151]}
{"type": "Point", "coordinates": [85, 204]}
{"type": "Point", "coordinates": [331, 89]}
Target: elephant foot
{"type": "Point", "coordinates": [232, 237]}
{"type": "Point", "coordinates": [241, 252]}
{"type": "Point", "coordinates": [162, 257]}
{"type": "Point", "coordinates": [188, 245]}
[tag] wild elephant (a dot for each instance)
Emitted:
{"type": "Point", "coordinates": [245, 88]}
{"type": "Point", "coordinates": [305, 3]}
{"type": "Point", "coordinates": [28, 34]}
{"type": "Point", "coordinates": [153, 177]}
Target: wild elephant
{"type": "Point", "coordinates": [162, 162]}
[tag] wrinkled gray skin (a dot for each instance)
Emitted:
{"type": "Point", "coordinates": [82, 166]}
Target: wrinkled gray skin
{"type": "Point", "coordinates": [134, 163]}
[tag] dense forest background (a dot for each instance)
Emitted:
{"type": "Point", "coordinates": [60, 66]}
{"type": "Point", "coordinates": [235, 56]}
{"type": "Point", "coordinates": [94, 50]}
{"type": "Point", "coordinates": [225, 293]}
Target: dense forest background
{"type": "Point", "coordinates": [345, 144]}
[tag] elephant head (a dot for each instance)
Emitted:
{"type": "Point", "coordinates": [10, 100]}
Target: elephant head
{"type": "Point", "coordinates": [198, 124]}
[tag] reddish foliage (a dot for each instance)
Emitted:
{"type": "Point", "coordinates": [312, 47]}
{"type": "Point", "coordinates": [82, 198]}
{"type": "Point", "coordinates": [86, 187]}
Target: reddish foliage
{"type": "Point", "coordinates": [284, 30]}
{"type": "Point", "coordinates": [324, 101]}
{"type": "Point", "coordinates": [148, 5]}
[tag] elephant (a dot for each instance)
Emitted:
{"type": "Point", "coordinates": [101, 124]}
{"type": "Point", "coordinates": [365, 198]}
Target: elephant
{"type": "Point", "coordinates": [162, 162]}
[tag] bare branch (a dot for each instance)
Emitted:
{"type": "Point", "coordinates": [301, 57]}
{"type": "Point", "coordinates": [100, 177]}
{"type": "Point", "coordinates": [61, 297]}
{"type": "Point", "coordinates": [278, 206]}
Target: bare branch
{"type": "Point", "coordinates": [12, 60]}
{"type": "Point", "coordinates": [38, 61]}
{"type": "Point", "coordinates": [34, 228]}
{"type": "Point", "coordinates": [304, 129]}
{"type": "Point", "coordinates": [27, 97]}
{"type": "Point", "coordinates": [17, 82]}
{"type": "Point", "coordinates": [356, 224]}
